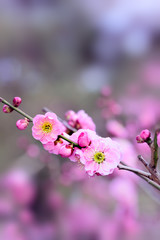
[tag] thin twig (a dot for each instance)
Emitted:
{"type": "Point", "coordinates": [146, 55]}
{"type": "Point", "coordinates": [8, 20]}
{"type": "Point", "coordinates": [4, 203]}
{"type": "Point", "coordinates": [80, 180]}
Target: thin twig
{"type": "Point", "coordinates": [16, 109]}
{"type": "Point", "coordinates": [154, 175]}
{"type": "Point", "coordinates": [134, 170]}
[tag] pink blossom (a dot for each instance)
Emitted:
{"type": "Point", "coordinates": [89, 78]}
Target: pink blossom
{"type": "Point", "coordinates": [71, 115]}
{"type": "Point", "coordinates": [80, 120]}
{"type": "Point", "coordinates": [53, 147]}
{"type": "Point", "coordinates": [75, 137]}
{"type": "Point", "coordinates": [84, 121]}
{"type": "Point", "coordinates": [22, 124]}
{"type": "Point", "coordinates": [46, 128]}
{"type": "Point", "coordinates": [101, 157]}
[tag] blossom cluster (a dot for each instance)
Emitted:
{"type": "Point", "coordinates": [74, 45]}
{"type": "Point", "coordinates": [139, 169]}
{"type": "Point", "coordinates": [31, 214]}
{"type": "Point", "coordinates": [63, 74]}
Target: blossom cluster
{"type": "Point", "coordinates": [96, 154]}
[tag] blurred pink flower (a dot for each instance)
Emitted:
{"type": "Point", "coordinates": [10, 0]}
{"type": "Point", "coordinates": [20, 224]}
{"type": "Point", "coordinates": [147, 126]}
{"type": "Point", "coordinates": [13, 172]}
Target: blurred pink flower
{"type": "Point", "coordinates": [84, 121]}
{"type": "Point", "coordinates": [80, 120]}
{"type": "Point", "coordinates": [33, 151]}
{"type": "Point", "coordinates": [71, 173]}
{"type": "Point", "coordinates": [46, 128]}
{"type": "Point", "coordinates": [124, 192]}
{"type": "Point", "coordinates": [20, 186]}
{"type": "Point", "coordinates": [116, 129]}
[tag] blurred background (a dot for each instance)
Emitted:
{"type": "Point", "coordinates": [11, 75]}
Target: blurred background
{"type": "Point", "coordinates": [102, 56]}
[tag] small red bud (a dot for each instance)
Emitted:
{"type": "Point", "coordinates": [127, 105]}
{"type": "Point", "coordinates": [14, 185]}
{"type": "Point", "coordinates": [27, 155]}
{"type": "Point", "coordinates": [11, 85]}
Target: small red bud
{"type": "Point", "coordinates": [7, 109]}
{"type": "Point", "coordinates": [17, 101]}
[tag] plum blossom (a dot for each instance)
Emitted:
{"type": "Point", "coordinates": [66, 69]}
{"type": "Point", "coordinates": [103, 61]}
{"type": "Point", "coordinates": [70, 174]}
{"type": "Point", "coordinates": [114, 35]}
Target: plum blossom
{"type": "Point", "coordinates": [80, 120]}
{"type": "Point", "coordinates": [54, 147]}
{"type": "Point", "coordinates": [101, 157]}
{"type": "Point", "coordinates": [46, 128]}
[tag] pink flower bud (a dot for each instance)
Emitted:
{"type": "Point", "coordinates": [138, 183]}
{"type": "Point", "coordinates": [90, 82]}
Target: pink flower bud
{"type": "Point", "coordinates": [22, 124]}
{"type": "Point", "coordinates": [139, 139]}
{"type": "Point", "coordinates": [145, 134]}
{"type": "Point", "coordinates": [7, 109]}
{"type": "Point", "coordinates": [83, 139]}
{"type": "Point", "coordinates": [17, 101]}
{"type": "Point", "coordinates": [66, 151]}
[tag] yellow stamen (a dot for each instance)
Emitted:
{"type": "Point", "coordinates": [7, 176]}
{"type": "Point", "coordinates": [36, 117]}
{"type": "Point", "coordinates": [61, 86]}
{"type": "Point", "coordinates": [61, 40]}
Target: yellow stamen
{"type": "Point", "coordinates": [47, 127]}
{"type": "Point", "coordinates": [99, 157]}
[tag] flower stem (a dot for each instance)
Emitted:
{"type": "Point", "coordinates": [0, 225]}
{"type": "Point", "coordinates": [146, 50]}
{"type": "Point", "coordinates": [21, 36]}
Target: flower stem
{"type": "Point", "coordinates": [16, 109]}
{"type": "Point", "coordinates": [31, 120]}
{"type": "Point", "coordinates": [68, 140]}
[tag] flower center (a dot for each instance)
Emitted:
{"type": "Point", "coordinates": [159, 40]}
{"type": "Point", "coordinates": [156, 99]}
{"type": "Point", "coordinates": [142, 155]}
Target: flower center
{"type": "Point", "coordinates": [99, 157]}
{"type": "Point", "coordinates": [47, 127]}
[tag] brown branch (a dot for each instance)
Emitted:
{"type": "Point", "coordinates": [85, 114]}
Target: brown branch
{"type": "Point", "coordinates": [154, 152]}
{"type": "Point", "coordinates": [153, 172]}
{"type": "Point", "coordinates": [134, 170]}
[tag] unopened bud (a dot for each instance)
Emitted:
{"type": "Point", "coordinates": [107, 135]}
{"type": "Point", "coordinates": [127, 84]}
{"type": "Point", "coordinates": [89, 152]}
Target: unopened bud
{"type": "Point", "coordinates": [83, 140]}
{"type": "Point", "coordinates": [145, 134]}
{"type": "Point", "coordinates": [139, 139]}
{"type": "Point", "coordinates": [22, 124]}
{"type": "Point", "coordinates": [66, 151]}
{"type": "Point", "coordinates": [7, 109]}
{"type": "Point", "coordinates": [17, 101]}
